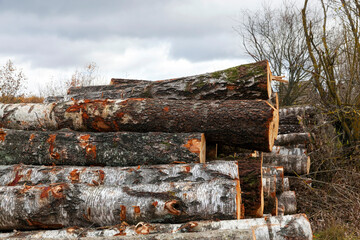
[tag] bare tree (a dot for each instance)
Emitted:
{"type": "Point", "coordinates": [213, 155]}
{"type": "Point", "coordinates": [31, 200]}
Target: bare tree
{"type": "Point", "coordinates": [277, 35]}
{"type": "Point", "coordinates": [11, 80]}
{"type": "Point", "coordinates": [336, 64]}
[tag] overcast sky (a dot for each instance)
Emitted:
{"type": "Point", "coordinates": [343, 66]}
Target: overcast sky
{"type": "Point", "coordinates": [149, 39]}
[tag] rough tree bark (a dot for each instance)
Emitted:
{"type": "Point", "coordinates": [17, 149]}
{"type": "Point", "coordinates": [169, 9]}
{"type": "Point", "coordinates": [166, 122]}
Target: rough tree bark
{"type": "Point", "coordinates": [250, 124]}
{"type": "Point", "coordinates": [290, 115]}
{"type": "Point", "coordinates": [291, 163]}
{"type": "Point", "coordinates": [288, 150]}
{"type": "Point", "coordinates": [285, 227]}
{"type": "Point", "coordinates": [19, 175]}
{"type": "Point", "coordinates": [64, 205]}
{"type": "Point", "coordinates": [249, 81]}
{"type": "Point", "coordinates": [250, 173]}
{"type": "Point", "coordinates": [105, 149]}
{"type": "Point", "coordinates": [292, 139]}
{"type": "Point", "coordinates": [285, 129]}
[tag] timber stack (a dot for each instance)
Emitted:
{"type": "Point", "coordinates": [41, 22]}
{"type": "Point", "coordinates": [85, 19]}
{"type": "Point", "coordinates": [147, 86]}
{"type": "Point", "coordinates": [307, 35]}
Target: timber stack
{"type": "Point", "coordinates": [141, 159]}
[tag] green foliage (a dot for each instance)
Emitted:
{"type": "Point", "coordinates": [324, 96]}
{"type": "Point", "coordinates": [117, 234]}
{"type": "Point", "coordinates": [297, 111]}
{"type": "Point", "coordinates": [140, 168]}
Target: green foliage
{"type": "Point", "coordinates": [334, 232]}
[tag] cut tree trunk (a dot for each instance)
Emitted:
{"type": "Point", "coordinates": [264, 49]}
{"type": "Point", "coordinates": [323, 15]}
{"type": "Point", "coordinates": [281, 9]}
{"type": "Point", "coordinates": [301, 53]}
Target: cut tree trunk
{"type": "Point", "coordinates": [219, 151]}
{"type": "Point", "coordinates": [249, 81]}
{"type": "Point", "coordinates": [287, 202]}
{"type": "Point", "coordinates": [250, 124]}
{"type": "Point", "coordinates": [250, 173]}
{"type": "Point", "coordinates": [104, 149]}
{"type": "Point", "coordinates": [285, 227]}
{"type": "Point", "coordinates": [19, 175]}
{"type": "Point", "coordinates": [292, 139]}
{"type": "Point", "coordinates": [285, 129]}
{"type": "Point", "coordinates": [64, 205]}
{"type": "Point", "coordinates": [290, 115]}
{"type": "Point", "coordinates": [124, 81]}
{"type": "Point", "coordinates": [288, 150]}
{"type": "Point", "coordinates": [278, 172]}
{"type": "Point", "coordinates": [270, 199]}
{"type": "Point", "coordinates": [292, 164]}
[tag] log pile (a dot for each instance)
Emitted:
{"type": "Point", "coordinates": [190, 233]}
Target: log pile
{"type": "Point", "coordinates": [153, 159]}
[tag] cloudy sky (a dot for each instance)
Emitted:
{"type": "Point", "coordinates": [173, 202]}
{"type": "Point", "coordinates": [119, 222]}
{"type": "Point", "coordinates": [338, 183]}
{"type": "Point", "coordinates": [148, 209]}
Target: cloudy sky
{"type": "Point", "coordinates": [149, 39]}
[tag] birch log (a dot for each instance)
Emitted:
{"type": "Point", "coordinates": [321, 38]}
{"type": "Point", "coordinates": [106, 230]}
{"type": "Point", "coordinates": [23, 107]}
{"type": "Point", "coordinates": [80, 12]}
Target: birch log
{"type": "Point", "coordinates": [285, 227]}
{"type": "Point", "coordinates": [292, 139]}
{"type": "Point", "coordinates": [105, 149]}
{"type": "Point", "coordinates": [292, 164]}
{"type": "Point", "coordinates": [19, 175]}
{"type": "Point", "coordinates": [287, 202]}
{"type": "Point", "coordinates": [250, 124]}
{"type": "Point", "coordinates": [270, 198]}
{"type": "Point", "coordinates": [278, 172]}
{"type": "Point", "coordinates": [288, 150]}
{"type": "Point", "coordinates": [249, 81]}
{"type": "Point", "coordinates": [64, 205]}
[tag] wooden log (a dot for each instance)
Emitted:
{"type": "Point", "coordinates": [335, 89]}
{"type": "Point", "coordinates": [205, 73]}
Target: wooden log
{"type": "Point", "coordinates": [289, 115]}
{"type": "Point", "coordinates": [249, 81]}
{"type": "Point", "coordinates": [52, 99]}
{"type": "Point", "coordinates": [285, 129]}
{"type": "Point", "coordinates": [64, 205]}
{"type": "Point", "coordinates": [278, 172]}
{"type": "Point", "coordinates": [221, 151]}
{"type": "Point", "coordinates": [18, 175]}
{"type": "Point", "coordinates": [292, 139]}
{"type": "Point", "coordinates": [292, 164]}
{"type": "Point", "coordinates": [270, 198]}
{"type": "Point", "coordinates": [104, 149]}
{"type": "Point", "coordinates": [125, 81]}
{"type": "Point", "coordinates": [285, 227]}
{"type": "Point", "coordinates": [288, 150]}
{"type": "Point", "coordinates": [287, 202]}
{"type": "Point", "coordinates": [249, 124]}
{"type": "Point", "coordinates": [250, 173]}
{"type": "Point", "coordinates": [286, 184]}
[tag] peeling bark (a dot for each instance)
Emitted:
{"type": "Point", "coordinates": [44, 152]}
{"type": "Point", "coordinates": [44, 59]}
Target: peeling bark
{"type": "Point", "coordinates": [290, 150]}
{"type": "Point", "coordinates": [104, 149]}
{"type": "Point", "coordinates": [282, 228]}
{"type": "Point", "coordinates": [250, 124]}
{"type": "Point", "coordinates": [19, 175]}
{"type": "Point", "coordinates": [292, 164]}
{"type": "Point", "coordinates": [249, 81]}
{"type": "Point", "coordinates": [278, 172]}
{"type": "Point", "coordinates": [65, 205]}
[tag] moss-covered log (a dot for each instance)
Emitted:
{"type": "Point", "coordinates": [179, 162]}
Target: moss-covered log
{"type": "Point", "coordinates": [286, 227]}
{"type": "Point", "coordinates": [65, 205]}
{"type": "Point", "coordinates": [249, 81]}
{"type": "Point", "coordinates": [19, 175]}
{"type": "Point", "coordinates": [250, 124]}
{"type": "Point", "coordinates": [104, 149]}
{"type": "Point", "coordinates": [292, 164]}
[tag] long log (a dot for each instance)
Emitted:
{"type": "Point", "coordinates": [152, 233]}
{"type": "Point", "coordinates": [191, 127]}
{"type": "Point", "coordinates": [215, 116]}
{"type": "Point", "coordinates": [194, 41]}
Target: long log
{"type": "Point", "coordinates": [207, 235]}
{"type": "Point", "coordinates": [270, 198]}
{"type": "Point", "coordinates": [105, 149]}
{"type": "Point", "coordinates": [250, 173]}
{"type": "Point", "coordinates": [291, 163]}
{"type": "Point", "coordinates": [286, 128]}
{"type": "Point", "coordinates": [292, 139]}
{"type": "Point", "coordinates": [64, 205]}
{"type": "Point", "coordinates": [285, 227]}
{"type": "Point", "coordinates": [287, 202]}
{"type": "Point", "coordinates": [288, 150]}
{"type": "Point", "coordinates": [125, 81]}
{"type": "Point", "coordinates": [249, 81]}
{"type": "Point", "coordinates": [250, 124]}
{"type": "Point", "coordinates": [18, 175]}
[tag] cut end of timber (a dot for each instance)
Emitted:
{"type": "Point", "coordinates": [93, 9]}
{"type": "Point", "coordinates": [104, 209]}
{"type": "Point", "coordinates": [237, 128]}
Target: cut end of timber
{"type": "Point", "coordinates": [279, 79]}
{"type": "Point", "coordinates": [269, 78]}
{"type": "Point", "coordinates": [239, 210]}
{"type": "Point", "coordinates": [308, 165]}
{"type": "Point", "coordinates": [203, 149]}
{"type": "Point", "coordinates": [273, 128]}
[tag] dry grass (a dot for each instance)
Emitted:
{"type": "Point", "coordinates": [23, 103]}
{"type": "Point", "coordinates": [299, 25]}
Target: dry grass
{"type": "Point", "coordinates": [21, 99]}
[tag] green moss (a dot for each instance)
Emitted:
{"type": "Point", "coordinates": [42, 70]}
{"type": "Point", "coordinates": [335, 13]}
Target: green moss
{"type": "Point", "coordinates": [232, 74]}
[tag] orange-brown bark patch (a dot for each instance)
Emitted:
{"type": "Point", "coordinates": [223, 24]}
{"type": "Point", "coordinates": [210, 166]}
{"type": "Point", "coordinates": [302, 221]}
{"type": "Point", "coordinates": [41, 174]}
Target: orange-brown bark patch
{"type": "Point", "coordinates": [56, 191]}
{"type": "Point", "coordinates": [43, 225]}
{"type": "Point", "coordinates": [51, 141]}
{"type": "Point", "coordinates": [143, 228]}
{"type": "Point", "coordinates": [155, 204]}
{"type": "Point", "coordinates": [166, 109]}
{"type": "Point", "coordinates": [100, 125]}
{"type": "Point", "coordinates": [170, 207]}
{"type": "Point", "coordinates": [16, 179]}
{"type": "Point", "coordinates": [231, 87]}
{"type": "Point", "coordinates": [187, 168]}
{"type": "Point", "coordinates": [122, 213]}
{"type": "Point", "coordinates": [74, 176]}
{"type": "Point", "coordinates": [193, 145]}
{"type": "Point", "coordinates": [32, 136]}
{"type": "Point", "coordinates": [136, 211]}
{"type": "Point", "coordinates": [2, 135]}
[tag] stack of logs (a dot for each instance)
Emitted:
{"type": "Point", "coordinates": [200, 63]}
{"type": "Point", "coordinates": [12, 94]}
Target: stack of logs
{"type": "Point", "coordinates": [133, 159]}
